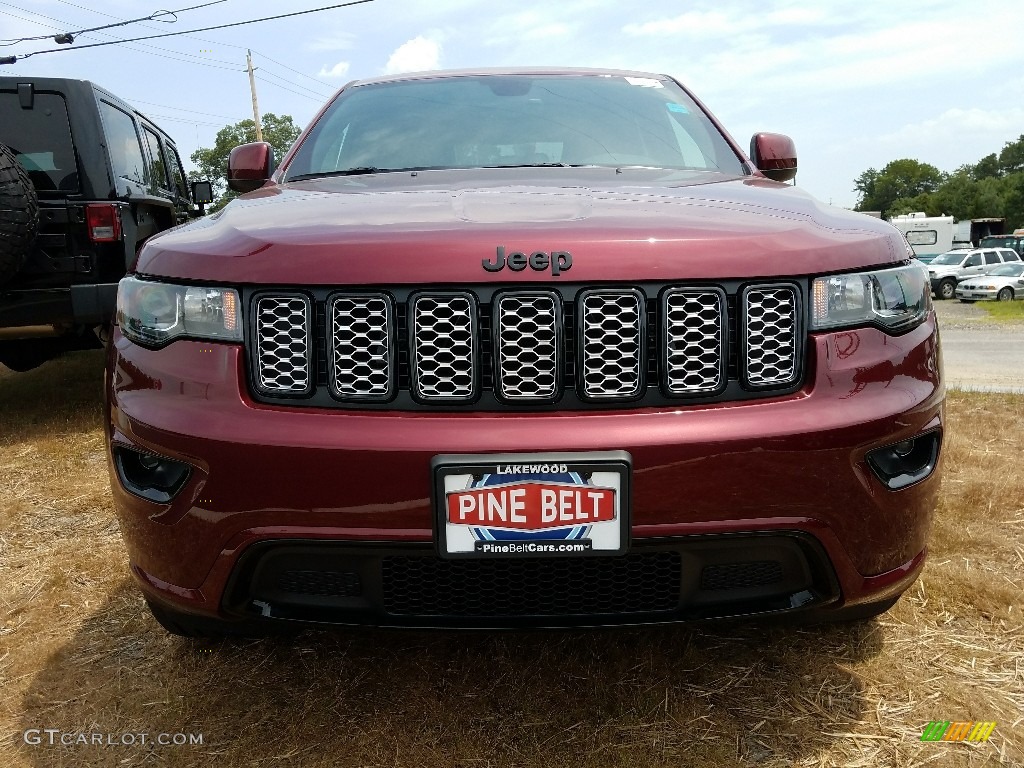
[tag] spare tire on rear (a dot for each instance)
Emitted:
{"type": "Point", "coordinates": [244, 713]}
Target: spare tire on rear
{"type": "Point", "coordinates": [19, 214]}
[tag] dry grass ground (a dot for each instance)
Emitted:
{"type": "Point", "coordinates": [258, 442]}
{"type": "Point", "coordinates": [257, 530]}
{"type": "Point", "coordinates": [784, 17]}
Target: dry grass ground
{"type": "Point", "coordinates": [79, 653]}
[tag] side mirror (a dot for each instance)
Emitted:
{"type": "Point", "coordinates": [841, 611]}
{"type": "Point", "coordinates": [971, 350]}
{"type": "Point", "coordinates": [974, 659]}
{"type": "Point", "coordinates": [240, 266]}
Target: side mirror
{"type": "Point", "coordinates": [249, 166]}
{"type": "Point", "coordinates": [202, 196]}
{"type": "Point", "coordinates": [202, 193]}
{"type": "Point", "coordinates": [774, 155]}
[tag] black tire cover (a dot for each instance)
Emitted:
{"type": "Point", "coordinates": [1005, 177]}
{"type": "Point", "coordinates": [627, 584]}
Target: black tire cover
{"type": "Point", "coordinates": [19, 214]}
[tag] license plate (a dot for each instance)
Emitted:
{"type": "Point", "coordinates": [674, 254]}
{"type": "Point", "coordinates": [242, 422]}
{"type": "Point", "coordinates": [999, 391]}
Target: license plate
{"type": "Point", "coordinates": [532, 505]}
{"type": "Point", "coordinates": [977, 295]}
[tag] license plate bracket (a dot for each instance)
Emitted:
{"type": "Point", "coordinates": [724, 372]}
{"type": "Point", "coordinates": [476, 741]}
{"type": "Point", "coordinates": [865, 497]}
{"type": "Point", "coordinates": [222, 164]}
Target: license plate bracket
{"type": "Point", "coordinates": [559, 504]}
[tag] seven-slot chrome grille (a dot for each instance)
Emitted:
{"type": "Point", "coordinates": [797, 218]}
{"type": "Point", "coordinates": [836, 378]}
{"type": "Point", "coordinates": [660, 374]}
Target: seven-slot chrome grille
{"type": "Point", "coordinates": [493, 347]}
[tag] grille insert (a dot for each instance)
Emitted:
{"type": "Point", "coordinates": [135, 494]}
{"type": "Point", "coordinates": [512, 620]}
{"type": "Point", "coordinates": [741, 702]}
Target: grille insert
{"type": "Point", "coordinates": [636, 583]}
{"type": "Point", "coordinates": [282, 345]}
{"type": "Point", "coordinates": [611, 354]}
{"type": "Point", "coordinates": [444, 346]}
{"type": "Point", "coordinates": [321, 583]}
{"type": "Point", "coordinates": [528, 346]}
{"type": "Point", "coordinates": [770, 335]}
{"type": "Point", "coordinates": [760, 573]}
{"type": "Point", "coordinates": [362, 364]}
{"type": "Point", "coordinates": [694, 341]}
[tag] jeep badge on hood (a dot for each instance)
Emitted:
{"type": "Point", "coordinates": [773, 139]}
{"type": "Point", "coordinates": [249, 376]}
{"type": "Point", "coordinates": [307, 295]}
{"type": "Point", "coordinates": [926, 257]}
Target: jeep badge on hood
{"type": "Point", "coordinates": [559, 261]}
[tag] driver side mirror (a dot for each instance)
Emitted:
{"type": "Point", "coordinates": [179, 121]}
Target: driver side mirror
{"type": "Point", "coordinates": [774, 155]}
{"type": "Point", "coordinates": [249, 166]}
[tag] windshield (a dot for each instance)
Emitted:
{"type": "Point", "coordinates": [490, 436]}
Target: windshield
{"type": "Point", "coordinates": [509, 121]}
{"type": "Point", "coordinates": [1007, 270]}
{"type": "Point", "coordinates": [950, 257]}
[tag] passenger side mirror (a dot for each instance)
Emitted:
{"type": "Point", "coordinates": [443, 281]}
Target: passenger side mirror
{"type": "Point", "coordinates": [774, 155]}
{"type": "Point", "coordinates": [249, 166]}
{"type": "Point", "coordinates": [202, 193]}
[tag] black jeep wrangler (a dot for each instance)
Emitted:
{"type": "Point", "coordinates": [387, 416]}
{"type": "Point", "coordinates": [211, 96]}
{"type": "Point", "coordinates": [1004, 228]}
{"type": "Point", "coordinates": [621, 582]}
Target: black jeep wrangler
{"type": "Point", "coordinates": [85, 179]}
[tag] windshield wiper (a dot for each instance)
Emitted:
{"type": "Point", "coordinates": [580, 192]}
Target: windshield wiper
{"type": "Point", "coordinates": [361, 170]}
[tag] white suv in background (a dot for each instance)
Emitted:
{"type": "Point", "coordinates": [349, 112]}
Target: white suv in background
{"type": "Point", "coordinates": [949, 268]}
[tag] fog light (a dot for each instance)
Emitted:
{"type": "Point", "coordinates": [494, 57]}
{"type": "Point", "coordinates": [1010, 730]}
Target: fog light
{"type": "Point", "coordinates": [903, 449]}
{"type": "Point", "coordinates": [906, 462]}
{"type": "Point", "coordinates": [152, 477]}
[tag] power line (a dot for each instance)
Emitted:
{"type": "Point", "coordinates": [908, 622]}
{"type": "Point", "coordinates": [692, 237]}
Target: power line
{"type": "Point", "coordinates": [314, 79]}
{"type": "Point", "coordinates": [13, 59]}
{"type": "Point", "coordinates": [330, 86]}
{"type": "Point", "coordinates": [180, 109]}
{"type": "Point", "coordinates": [318, 99]}
{"type": "Point", "coordinates": [320, 95]}
{"type": "Point", "coordinates": [70, 36]}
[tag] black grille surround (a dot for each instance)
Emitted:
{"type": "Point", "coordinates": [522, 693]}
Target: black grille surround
{"type": "Point", "coordinates": [660, 580]}
{"type": "Point", "coordinates": [657, 386]}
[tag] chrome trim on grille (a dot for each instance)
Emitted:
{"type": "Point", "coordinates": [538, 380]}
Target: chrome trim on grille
{"type": "Point", "coordinates": [444, 347]}
{"type": "Point", "coordinates": [611, 343]}
{"type": "Point", "coordinates": [771, 335]}
{"type": "Point", "coordinates": [361, 348]}
{"type": "Point", "coordinates": [283, 354]}
{"type": "Point", "coordinates": [694, 340]}
{"type": "Point", "coordinates": [528, 346]}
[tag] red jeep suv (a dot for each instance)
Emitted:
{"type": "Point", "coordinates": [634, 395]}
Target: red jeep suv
{"type": "Point", "coordinates": [522, 348]}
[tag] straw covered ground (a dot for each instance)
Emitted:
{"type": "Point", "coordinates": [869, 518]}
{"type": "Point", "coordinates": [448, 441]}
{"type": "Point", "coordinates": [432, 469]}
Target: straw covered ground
{"type": "Point", "coordinates": [79, 655]}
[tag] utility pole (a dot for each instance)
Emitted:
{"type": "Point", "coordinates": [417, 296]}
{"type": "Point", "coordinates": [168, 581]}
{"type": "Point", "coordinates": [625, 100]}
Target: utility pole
{"type": "Point", "coordinates": [255, 103]}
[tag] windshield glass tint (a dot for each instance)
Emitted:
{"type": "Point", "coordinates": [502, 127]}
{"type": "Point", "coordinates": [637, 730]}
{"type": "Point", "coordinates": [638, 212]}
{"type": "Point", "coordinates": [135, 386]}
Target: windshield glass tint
{"type": "Point", "coordinates": [472, 122]}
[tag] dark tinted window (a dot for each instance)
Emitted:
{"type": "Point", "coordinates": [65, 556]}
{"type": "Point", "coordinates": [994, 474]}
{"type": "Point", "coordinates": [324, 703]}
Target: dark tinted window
{"type": "Point", "coordinates": [123, 144]}
{"type": "Point", "coordinates": [1011, 256]}
{"type": "Point", "coordinates": [177, 172]}
{"type": "Point", "coordinates": [41, 138]}
{"type": "Point", "coordinates": [974, 260]}
{"type": "Point", "coordinates": [471, 122]}
{"type": "Point", "coordinates": [157, 167]}
{"type": "Point", "coordinates": [991, 257]}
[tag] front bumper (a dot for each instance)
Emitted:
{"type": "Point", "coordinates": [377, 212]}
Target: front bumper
{"type": "Point", "coordinates": [975, 294]}
{"type": "Point", "coordinates": [786, 474]}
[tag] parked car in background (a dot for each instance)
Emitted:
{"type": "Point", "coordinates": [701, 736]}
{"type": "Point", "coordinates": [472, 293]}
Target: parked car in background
{"type": "Point", "coordinates": [948, 268]}
{"type": "Point", "coordinates": [1002, 283]}
{"type": "Point", "coordinates": [85, 180]}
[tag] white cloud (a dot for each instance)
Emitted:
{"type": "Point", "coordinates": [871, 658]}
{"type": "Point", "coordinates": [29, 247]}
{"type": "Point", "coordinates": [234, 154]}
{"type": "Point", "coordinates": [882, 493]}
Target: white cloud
{"type": "Point", "coordinates": [416, 55]}
{"type": "Point", "coordinates": [338, 70]}
{"type": "Point", "coordinates": [993, 127]}
{"type": "Point", "coordinates": [719, 23]}
{"type": "Point", "coordinates": [340, 42]}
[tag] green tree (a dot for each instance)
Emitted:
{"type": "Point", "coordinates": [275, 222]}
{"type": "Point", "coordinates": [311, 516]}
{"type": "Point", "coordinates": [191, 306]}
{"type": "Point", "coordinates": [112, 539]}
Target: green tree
{"type": "Point", "coordinates": [1011, 157]}
{"type": "Point", "coordinates": [987, 167]}
{"type": "Point", "coordinates": [212, 163]}
{"type": "Point", "coordinates": [900, 179]}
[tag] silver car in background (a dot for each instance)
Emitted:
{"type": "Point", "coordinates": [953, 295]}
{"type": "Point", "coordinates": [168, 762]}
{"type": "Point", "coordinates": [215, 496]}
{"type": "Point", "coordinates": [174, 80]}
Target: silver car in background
{"type": "Point", "coordinates": [1002, 283]}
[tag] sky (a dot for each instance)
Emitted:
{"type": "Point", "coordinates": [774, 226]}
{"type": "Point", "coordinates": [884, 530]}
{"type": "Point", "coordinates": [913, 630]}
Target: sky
{"type": "Point", "coordinates": [855, 84]}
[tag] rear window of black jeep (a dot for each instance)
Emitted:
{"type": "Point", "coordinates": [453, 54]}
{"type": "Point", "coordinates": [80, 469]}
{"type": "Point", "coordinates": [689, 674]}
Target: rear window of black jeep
{"type": "Point", "coordinates": [41, 139]}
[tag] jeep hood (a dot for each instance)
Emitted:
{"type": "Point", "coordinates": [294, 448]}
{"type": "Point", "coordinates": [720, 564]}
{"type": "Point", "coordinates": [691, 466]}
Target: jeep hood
{"type": "Point", "coordinates": [439, 226]}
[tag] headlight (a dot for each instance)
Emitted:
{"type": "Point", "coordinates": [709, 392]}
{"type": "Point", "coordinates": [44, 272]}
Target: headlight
{"type": "Point", "coordinates": [896, 300]}
{"type": "Point", "coordinates": [154, 314]}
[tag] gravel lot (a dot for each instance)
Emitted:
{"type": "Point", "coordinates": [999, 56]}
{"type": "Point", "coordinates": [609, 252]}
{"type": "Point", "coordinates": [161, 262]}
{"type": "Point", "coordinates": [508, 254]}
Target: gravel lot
{"type": "Point", "coordinates": [980, 353]}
